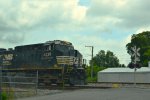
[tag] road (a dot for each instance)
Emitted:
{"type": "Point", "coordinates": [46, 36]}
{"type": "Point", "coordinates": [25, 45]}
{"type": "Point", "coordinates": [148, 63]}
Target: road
{"type": "Point", "coordinates": [98, 94]}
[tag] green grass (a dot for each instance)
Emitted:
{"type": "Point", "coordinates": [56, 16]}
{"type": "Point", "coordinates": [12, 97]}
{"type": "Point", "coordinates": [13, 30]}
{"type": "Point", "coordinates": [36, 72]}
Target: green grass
{"type": "Point", "coordinates": [4, 96]}
{"type": "Point", "coordinates": [7, 95]}
{"type": "Point", "coordinates": [94, 79]}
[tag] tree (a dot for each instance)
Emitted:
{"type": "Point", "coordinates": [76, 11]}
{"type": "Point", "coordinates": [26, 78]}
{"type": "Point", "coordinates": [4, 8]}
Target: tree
{"type": "Point", "coordinates": [107, 59]}
{"type": "Point", "coordinates": [142, 41]}
{"type": "Point", "coordinates": [122, 65]}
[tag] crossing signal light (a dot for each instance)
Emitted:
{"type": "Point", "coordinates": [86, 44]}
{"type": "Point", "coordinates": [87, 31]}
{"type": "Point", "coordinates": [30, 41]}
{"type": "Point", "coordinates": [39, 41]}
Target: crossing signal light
{"type": "Point", "coordinates": [138, 65]}
{"type": "Point", "coordinates": [131, 65]}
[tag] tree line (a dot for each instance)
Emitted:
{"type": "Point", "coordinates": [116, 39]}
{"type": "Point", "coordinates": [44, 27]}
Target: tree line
{"type": "Point", "coordinates": [107, 59]}
{"type": "Point", "coordinates": [142, 41]}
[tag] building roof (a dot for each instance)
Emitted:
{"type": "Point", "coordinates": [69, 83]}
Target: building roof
{"type": "Point", "coordinates": [121, 70]}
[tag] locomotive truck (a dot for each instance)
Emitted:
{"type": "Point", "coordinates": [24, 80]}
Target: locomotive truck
{"type": "Point", "coordinates": [56, 62]}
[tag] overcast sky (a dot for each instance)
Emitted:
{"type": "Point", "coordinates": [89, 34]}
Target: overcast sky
{"type": "Point", "coordinates": [104, 24]}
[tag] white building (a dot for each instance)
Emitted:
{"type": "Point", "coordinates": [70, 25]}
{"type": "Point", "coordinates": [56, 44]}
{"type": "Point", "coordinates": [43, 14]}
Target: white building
{"type": "Point", "coordinates": [124, 75]}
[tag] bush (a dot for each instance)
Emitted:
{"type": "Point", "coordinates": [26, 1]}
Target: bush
{"type": "Point", "coordinates": [7, 95]}
{"type": "Point", "coordinates": [96, 69]}
{"type": "Point", "coordinates": [4, 96]}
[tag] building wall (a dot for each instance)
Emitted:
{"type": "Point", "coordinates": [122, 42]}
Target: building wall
{"type": "Point", "coordinates": [125, 77]}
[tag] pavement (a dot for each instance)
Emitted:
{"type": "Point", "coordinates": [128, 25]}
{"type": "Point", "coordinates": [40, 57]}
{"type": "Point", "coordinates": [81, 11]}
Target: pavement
{"type": "Point", "coordinates": [98, 94]}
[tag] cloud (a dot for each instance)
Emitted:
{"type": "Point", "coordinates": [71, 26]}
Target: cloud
{"type": "Point", "coordinates": [55, 14]}
{"type": "Point", "coordinates": [28, 15]}
{"type": "Point", "coordinates": [28, 20]}
{"type": "Point", "coordinates": [65, 15]}
{"type": "Point", "coordinates": [140, 30]}
{"type": "Point", "coordinates": [121, 13]}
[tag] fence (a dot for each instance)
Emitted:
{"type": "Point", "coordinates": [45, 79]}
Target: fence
{"type": "Point", "coordinates": [18, 85]}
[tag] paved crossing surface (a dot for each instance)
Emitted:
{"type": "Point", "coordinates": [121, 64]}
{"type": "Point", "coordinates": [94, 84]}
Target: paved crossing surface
{"type": "Point", "coordinates": [98, 94]}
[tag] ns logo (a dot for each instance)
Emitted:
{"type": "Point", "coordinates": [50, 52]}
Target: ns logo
{"type": "Point", "coordinates": [7, 56]}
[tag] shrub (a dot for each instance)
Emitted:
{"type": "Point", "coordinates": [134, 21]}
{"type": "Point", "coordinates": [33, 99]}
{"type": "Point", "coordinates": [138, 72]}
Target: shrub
{"type": "Point", "coordinates": [96, 69]}
{"type": "Point", "coordinates": [4, 96]}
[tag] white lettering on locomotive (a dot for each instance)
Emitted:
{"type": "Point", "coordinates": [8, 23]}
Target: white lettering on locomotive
{"type": "Point", "coordinates": [47, 54]}
{"type": "Point", "coordinates": [6, 63]}
{"type": "Point", "coordinates": [8, 57]}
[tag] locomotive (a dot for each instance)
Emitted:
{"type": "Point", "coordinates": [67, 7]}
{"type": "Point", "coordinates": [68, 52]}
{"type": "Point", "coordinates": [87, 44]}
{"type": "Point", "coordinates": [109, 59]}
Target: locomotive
{"type": "Point", "coordinates": [56, 62]}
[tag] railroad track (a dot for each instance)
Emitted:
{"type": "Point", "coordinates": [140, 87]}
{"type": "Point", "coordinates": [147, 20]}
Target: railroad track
{"type": "Point", "coordinates": [94, 85]}
{"type": "Point", "coordinates": [67, 87]}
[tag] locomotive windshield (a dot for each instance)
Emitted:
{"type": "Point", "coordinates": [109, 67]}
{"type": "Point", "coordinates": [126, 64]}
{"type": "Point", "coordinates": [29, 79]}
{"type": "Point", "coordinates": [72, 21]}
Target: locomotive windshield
{"type": "Point", "coordinates": [63, 47]}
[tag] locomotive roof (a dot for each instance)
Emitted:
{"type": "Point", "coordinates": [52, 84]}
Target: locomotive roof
{"type": "Point", "coordinates": [2, 49]}
{"type": "Point", "coordinates": [39, 44]}
{"type": "Point", "coordinates": [59, 42]}
{"type": "Point", "coordinates": [48, 42]}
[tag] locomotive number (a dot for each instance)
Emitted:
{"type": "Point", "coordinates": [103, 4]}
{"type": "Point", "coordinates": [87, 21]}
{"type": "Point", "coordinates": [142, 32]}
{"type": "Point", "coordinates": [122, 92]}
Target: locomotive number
{"type": "Point", "coordinates": [47, 54]}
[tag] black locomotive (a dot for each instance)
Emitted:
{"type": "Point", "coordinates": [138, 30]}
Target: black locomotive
{"type": "Point", "coordinates": [56, 62]}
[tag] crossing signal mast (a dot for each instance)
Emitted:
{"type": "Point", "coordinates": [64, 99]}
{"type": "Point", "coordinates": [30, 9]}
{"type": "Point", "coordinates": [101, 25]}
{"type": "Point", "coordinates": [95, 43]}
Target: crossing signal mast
{"type": "Point", "coordinates": [136, 58]}
{"type": "Point", "coordinates": [134, 64]}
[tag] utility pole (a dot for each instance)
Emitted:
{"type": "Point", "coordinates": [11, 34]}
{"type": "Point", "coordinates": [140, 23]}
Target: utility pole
{"type": "Point", "coordinates": [91, 60]}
